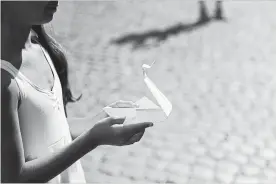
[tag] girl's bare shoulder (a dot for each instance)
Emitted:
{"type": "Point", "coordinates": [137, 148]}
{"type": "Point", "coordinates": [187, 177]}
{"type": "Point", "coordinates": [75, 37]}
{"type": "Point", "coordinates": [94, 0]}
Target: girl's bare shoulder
{"type": "Point", "coordinates": [9, 88]}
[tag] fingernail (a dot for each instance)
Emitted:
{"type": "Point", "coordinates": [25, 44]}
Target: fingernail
{"type": "Point", "coordinates": [151, 124]}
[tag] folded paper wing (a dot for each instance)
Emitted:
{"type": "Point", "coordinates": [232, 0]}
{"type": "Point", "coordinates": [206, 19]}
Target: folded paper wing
{"type": "Point", "coordinates": [147, 111]}
{"type": "Point", "coordinates": [163, 102]}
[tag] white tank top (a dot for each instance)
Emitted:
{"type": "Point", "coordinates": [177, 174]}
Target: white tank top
{"type": "Point", "coordinates": [43, 124]}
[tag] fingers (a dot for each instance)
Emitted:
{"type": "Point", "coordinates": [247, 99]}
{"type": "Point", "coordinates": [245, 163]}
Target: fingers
{"type": "Point", "coordinates": [136, 138]}
{"type": "Point", "coordinates": [124, 104]}
{"type": "Point", "coordinates": [138, 127]}
{"type": "Point", "coordinates": [116, 121]}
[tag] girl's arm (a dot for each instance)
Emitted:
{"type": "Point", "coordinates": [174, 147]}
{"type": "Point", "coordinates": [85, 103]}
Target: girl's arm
{"type": "Point", "coordinates": [15, 169]}
{"type": "Point", "coordinates": [13, 166]}
{"type": "Point", "coordinates": [79, 125]}
{"type": "Point", "coordinates": [44, 169]}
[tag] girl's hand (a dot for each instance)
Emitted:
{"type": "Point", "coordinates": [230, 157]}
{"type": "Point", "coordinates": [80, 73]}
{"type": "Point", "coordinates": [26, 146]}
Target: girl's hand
{"type": "Point", "coordinates": [106, 134]}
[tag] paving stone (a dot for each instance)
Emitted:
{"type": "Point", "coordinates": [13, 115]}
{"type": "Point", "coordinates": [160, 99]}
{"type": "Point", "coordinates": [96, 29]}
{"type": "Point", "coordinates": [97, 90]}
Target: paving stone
{"type": "Point", "coordinates": [246, 180]}
{"type": "Point", "coordinates": [224, 177]}
{"type": "Point", "coordinates": [134, 173]}
{"type": "Point", "coordinates": [202, 172]}
{"type": "Point", "coordinates": [185, 157]}
{"type": "Point", "coordinates": [140, 151]}
{"type": "Point", "coordinates": [247, 149]}
{"type": "Point", "coordinates": [96, 157]}
{"type": "Point", "coordinates": [258, 161]}
{"type": "Point", "coordinates": [228, 146]}
{"type": "Point", "coordinates": [268, 154]}
{"type": "Point", "coordinates": [270, 173]}
{"type": "Point", "coordinates": [236, 139]}
{"type": "Point", "coordinates": [110, 169]}
{"type": "Point", "coordinates": [251, 170]}
{"type": "Point", "coordinates": [164, 154]}
{"type": "Point", "coordinates": [172, 178]}
{"type": "Point", "coordinates": [155, 176]}
{"type": "Point", "coordinates": [173, 147]}
{"type": "Point", "coordinates": [154, 144]}
{"type": "Point", "coordinates": [132, 162]}
{"type": "Point", "coordinates": [272, 144]}
{"type": "Point", "coordinates": [97, 177]}
{"type": "Point", "coordinates": [199, 181]}
{"type": "Point", "coordinates": [258, 143]}
{"type": "Point", "coordinates": [206, 161]}
{"type": "Point", "coordinates": [230, 167]}
{"type": "Point", "coordinates": [218, 136]}
{"type": "Point", "coordinates": [178, 169]}
{"type": "Point", "coordinates": [121, 179]}
{"type": "Point", "coordinates": [197, 150]}
{"type": "Point", "coordinates": [266, 181]}
{"type": "Point", "coordinates": [211, 143]}
{"type": "Point", "coordinates": [238, 158]}
{"type": "Point", "coordinates": [156, 164]}
{"type": "Point", "coordinates": [217, 154]}
{"type": "Point", "coordinates": [273, 164]}
{"type": "Point", "coordinates": [170, 137]}
{"type": "Point", "coordinates": [190, 139]}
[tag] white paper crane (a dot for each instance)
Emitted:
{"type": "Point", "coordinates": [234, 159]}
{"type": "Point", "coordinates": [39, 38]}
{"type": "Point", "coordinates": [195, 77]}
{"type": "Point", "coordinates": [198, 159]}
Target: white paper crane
{"type": "Point", "coordinates": [147, 111]}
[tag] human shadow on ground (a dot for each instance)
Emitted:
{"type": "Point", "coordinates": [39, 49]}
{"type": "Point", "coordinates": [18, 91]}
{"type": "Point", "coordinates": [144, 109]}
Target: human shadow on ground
{"type": "Point", "coordinates": [139, 40]}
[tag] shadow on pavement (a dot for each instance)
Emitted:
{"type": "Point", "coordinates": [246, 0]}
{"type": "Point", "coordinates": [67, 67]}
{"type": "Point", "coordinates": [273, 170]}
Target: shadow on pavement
{"type": "Point", "coordinates": [139, 40]}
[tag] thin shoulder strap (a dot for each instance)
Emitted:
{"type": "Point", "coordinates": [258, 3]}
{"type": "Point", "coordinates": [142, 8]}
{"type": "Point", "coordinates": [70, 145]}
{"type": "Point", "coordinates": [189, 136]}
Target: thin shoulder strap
{"type": "Point", "coordinates": [49, 60]}
{"type": "Point", "coordinates": [46, 55]}
{"type": "Point", "coordinates": [16, 74]}
{"type": "Point", "coordinates": [9, 68]}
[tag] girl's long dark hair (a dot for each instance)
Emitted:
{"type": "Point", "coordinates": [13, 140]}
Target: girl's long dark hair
{"type": "Point", "coordinates": [59, 60]}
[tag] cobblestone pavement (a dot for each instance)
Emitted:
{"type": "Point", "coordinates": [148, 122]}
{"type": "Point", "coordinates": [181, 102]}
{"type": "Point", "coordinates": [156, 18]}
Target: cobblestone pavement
{"type": "Point", "coordinates": [220, 77]}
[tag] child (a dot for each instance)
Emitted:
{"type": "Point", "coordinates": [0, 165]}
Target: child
{"type": "Point", "coordinates": [37, 143]}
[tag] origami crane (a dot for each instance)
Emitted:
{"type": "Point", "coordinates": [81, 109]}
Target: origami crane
{"type": "Point", "coordinates": [147, 111]}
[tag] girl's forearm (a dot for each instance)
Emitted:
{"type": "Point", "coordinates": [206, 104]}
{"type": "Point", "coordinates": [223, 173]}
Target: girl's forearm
{"type": "Point", "coordinates": [44, 169]}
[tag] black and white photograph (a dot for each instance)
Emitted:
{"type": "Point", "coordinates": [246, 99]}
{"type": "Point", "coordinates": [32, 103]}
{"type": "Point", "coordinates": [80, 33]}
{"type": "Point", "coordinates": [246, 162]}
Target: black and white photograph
{"type": "Point", "coordinates": [138, 91]}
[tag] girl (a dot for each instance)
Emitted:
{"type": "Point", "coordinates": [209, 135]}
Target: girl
{"type": "Point", "coordinates": [38, 143]}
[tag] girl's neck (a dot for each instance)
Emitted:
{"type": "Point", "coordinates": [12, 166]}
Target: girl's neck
{"type": "Point", "coordinates": [14, 38]}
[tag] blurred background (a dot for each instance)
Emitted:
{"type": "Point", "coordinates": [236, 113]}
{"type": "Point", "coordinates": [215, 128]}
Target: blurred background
{"type": "Point", "coordinates": [215, 61]}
